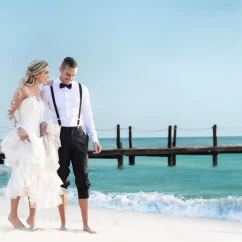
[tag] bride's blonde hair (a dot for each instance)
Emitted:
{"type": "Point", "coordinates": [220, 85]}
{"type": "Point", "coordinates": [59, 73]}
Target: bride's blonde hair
{"type": "Point", "coordinates": [34, 68]}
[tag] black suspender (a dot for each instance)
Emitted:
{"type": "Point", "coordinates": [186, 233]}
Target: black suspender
{"type": "Point", "coordinates": [56, 110]}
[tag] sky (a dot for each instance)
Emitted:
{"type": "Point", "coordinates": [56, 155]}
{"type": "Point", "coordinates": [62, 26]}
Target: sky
{"type": "Point", "coordinates": [147, 64]}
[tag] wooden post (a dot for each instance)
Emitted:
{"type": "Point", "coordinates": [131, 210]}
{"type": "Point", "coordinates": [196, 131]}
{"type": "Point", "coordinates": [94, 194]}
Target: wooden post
{"type": "Point", "coordinates": [215, 143]}
{"type": "Point", "coordinates": [130, 137]}
{"type": "Point", "coordinates": [119, 146]}
{"type": "Point", "coordinates": [2, 157]}
{"type": "Point", "coordinates": [174, 136]}
{"type": "Point", "coordinates": [118, 137]}
{"type": "Point", "coordinates": [169, 145]}
{"type": "Point", "coordinates": [120, 158]}
{"type": "Point", "coordinates": [174, 143]}
{"type": "Point", "coordinates": [131, 158]}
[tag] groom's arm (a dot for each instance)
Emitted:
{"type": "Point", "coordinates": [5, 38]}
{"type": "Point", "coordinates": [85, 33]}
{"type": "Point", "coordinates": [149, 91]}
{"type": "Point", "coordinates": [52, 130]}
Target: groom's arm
{"type": "Point", "coordinates": [43, 94]}
{"type": "Point", "coordinates": [87, 117]}
{"type": "Point", "coordinates": [88, 120]}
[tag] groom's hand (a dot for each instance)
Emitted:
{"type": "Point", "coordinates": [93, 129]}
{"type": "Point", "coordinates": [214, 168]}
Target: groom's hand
{"type": "Point", "coordinates": [49, 83]}
{"type": "Point", "coordinates": [97, 148]}
{"type": "Point", "coordinates": [43, 127]}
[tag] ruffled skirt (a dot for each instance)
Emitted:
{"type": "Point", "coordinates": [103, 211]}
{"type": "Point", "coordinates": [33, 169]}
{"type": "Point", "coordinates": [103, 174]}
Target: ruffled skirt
{"type": "Point", "coordinates": [34, 167]}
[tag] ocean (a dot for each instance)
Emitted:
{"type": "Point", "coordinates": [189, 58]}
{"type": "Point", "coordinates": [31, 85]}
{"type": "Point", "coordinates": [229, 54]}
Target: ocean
{"type": "Point", "coordinates": [193, 188]}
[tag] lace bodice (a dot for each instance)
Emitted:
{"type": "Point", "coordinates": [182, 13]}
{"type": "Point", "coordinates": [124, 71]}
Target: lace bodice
{"type": "Point", "coordinates": [30, 108]}
{"type": "Point", "coordinates": [30, 113]}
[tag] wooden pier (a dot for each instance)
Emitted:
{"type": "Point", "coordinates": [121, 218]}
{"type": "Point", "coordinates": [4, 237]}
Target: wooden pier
{"type": "Point", "coordinates": [171, 151]}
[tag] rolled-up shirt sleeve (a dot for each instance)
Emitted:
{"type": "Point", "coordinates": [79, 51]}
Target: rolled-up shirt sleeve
{"type": "Point", "coordinates": [86, 115]}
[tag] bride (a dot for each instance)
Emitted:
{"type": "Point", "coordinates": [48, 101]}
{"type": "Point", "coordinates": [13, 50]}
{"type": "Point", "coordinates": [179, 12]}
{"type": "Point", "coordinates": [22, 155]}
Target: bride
{"type": "Point", "coordinates": [33, 159]}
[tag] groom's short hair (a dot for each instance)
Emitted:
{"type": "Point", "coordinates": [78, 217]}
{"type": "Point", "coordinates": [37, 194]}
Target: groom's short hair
{"type": "Point", "coordinates": [70, 62]}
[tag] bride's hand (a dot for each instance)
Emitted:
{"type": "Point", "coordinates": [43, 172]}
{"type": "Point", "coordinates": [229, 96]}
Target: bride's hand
{"type": "Point", "coordinates": [43, 127]}
{"type": "Point", "coordinates": [49, 83]}
{"type": "Point", "coordinates": [22, 133]}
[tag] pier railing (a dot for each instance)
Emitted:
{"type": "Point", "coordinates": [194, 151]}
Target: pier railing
{"type": "Point", "coordinates": [171, 151]}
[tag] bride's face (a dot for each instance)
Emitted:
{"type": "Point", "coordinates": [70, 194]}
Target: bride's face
{"type": "Point", "coordinates": [44, 76]}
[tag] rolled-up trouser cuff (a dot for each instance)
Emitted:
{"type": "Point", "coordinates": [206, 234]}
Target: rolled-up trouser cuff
{"type": "Point", "coordinates": [66, 185]}
{"type": "Point", "coordinates": [83, 194]}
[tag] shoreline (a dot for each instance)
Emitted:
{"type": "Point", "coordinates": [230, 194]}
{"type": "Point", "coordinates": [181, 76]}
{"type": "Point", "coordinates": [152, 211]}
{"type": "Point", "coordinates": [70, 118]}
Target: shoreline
{"type": "Point", "coordinates": [112, 225]}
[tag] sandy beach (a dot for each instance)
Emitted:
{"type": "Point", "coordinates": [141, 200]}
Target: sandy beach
{"type": "Point", "coordinates": [118, 226]}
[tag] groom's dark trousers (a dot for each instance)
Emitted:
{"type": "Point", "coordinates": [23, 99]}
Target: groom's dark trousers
{"type": "Point", "coordinates": [74, 149]}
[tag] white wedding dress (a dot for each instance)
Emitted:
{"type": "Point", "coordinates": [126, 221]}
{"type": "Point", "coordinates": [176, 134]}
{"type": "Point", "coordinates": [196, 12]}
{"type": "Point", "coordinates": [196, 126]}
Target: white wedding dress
{"type": "Point", "coordinates": [34, 164]}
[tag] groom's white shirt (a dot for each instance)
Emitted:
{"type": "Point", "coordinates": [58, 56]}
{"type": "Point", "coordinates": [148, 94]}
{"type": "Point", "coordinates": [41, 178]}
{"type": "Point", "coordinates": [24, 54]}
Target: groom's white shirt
{"type": "Point", "coordinates": [67, 102]}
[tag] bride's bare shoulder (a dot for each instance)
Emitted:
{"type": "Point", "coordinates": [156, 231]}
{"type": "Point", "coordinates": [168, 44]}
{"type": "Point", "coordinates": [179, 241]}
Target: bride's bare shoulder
{"type": "Point", "coordinates": [22, 92]}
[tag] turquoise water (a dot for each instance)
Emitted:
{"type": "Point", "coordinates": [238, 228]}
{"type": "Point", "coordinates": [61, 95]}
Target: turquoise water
{"type": "Point", "coordinates": [193, 188]}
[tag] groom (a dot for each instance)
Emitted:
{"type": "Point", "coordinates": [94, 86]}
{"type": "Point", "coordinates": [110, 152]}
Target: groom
{"type": "Point", "coordinates": [69, 105]}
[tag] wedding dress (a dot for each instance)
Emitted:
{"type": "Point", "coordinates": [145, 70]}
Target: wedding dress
{"type": "Point", "coordinates": [34, 163]}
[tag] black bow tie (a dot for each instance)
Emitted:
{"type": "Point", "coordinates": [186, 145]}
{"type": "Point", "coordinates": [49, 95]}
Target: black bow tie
{"type": "Point", "coordinates": [62, 85]}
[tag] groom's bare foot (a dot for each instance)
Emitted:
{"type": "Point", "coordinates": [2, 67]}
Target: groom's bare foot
{"type": "Point", "coordinates": [89, 230]}
{"type": "Point", "coordinates": [15, 221]}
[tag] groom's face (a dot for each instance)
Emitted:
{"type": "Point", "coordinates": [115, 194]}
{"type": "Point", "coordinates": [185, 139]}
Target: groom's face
{"type": "Point", "coordinates": [67, 74]}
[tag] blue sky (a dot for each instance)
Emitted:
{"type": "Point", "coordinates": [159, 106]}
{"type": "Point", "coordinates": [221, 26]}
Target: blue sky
{"type": "Point", "coordinates": [148, 64]}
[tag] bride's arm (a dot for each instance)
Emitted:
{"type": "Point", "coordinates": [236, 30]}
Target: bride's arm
{"type": "Point", "coordinates": [18, 97]}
